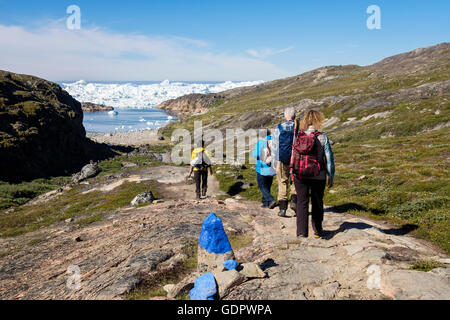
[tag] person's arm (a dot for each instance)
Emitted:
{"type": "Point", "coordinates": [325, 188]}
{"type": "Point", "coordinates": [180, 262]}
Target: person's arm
{"type": "Point", "coordinates": [329, 161]}
{"type": "Point", "coordinates": [191, 169]}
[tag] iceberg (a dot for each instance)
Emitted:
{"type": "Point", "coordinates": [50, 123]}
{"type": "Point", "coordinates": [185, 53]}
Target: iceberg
{"type": "Point", "coordinates": [143, 96]}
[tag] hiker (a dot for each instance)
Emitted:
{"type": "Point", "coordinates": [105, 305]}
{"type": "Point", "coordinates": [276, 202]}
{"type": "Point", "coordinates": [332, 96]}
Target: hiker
{"type": "Point", "coordinates": [264, 170]}
{"type": "Point", "coordinates": [200, 163]}
{"type": "Point", "coordinates": [312, 160]}
{"type": "Point", "coordinates": [283, 139]}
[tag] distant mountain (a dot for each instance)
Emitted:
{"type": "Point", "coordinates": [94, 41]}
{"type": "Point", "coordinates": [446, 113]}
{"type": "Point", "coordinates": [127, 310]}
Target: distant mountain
{"type": "Point", "coordinates": [418, 78]}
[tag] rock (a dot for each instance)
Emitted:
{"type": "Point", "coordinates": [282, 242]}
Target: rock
{"type": "Point", "coordinates": [128, 164]}
{"type": "Point", "coordinates": [416, 285]}
{"type": "Point", "coordinates": [88, 171]}
{"type": "Point", "coordinates": [69, 220]}
{"type": "Point", "coordinates": [94, 107]}
{"type": "Point", "coordinates": [190, 104]}
{"type": "Point", "coordinates": [146, 197]}
{"type": "Point", "coordinates": [204, 288]}
{"type": "Point", "coordinates": [251, 270]}
{"type": "Point", "coordinates": [168, 287]}
{"type": "Point", "coordinates": [230, 264]}
{"type": "Point", "coordinates": [79, 239]}
{"type": "Point", "coordinates": [246, 185]}
{"type": "Point", "coordinates": [213, 246]}
{"type": "Point", "coordinates": [42, 127]}
{"type": "Point", "coordinates": [327, 292]}
{"type": "Point", "coordinates": [183, 286]}
{"type": "Point", "coordinates": [226, 280]}
{"type": "Point", "coordinates": [363, 177]}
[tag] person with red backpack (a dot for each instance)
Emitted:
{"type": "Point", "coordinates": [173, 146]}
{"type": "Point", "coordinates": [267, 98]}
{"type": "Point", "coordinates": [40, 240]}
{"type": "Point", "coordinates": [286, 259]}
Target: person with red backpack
{"type": "Point", "coordinates": [312, 160]}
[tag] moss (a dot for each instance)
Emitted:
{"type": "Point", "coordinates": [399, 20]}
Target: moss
{"type": "Point", "coordinates": [424, 265]}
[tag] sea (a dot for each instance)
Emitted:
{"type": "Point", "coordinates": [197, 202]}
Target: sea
{"type": "Point", "coordinates": [134, 102]}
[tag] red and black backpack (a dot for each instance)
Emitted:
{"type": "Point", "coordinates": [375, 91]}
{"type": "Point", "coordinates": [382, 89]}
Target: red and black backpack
{"type": "Point", "coordinates": [304, 162]}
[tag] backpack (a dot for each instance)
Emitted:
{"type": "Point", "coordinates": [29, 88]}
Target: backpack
{"type": "Point", "coordinates": [201, 161]}
{"type": "Point", "coordinates": [304, 162]}
{"type": "Point", "coordinates": [266, 154]}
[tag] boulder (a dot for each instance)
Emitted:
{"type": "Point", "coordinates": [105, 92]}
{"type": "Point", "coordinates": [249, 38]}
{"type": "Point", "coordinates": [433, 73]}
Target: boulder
{"type": "Point", "coordinates": [230, 264]}
{"type": "Point", "coordinates": [227, 280]}
{"type": "Point", "coordinates": [146, 197]}
{"type": "Point", "coordinates": [205, 288]}
{"type": "Point", "coordinates": [88, 171]}
{"type": "Point", "coordinates": [213, 246]}
{"type": "Point", "coordinates": [252, 270]}
{"type": "Point", "coordinates": [183, 286]}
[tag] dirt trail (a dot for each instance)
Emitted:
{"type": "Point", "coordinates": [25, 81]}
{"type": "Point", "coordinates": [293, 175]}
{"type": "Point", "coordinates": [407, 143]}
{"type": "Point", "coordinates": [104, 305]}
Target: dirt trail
{"type": "Point", "coordinates": [358, 258]}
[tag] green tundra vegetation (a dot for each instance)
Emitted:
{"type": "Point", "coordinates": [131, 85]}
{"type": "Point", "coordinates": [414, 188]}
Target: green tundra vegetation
{"type": "Point", "coordinates": [390, 135]}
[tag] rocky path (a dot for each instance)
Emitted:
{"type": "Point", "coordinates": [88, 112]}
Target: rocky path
{"type": "Point", "coordinates": [358, 259]}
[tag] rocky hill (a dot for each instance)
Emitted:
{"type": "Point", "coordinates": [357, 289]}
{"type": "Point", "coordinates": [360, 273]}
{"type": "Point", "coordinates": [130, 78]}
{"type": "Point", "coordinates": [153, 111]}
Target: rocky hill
{"type": "Point", "coordinates": [341, 92]}
{"type": "Point", "coordinates": [389, 125]}
{"type": "Point", "coordinates": [93, 107]}
{"type": "Point", "coordinates": [150, 251]}
{"type": "Point", "coordinates": [41, 129]}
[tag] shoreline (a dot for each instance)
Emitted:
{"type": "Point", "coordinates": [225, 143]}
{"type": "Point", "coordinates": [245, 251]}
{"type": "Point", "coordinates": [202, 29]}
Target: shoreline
{"type": "Point", "coordinates": [126, 138]}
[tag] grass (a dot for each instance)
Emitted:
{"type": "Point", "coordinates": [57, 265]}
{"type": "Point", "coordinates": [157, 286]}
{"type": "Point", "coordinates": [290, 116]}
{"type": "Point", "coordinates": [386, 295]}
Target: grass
{"type": "Point", "coordinates": [425, 266]}
{"type": "Point", "coordinates": [152, 287]}
{"type": "Point", "coordinates": [14, 195]}
{"type": "Point", "coordinates": [406, 176]}
{"type": "Point", "coordinates": [89, 208]}
{"type": "Point", "coordinates": [239, 240]}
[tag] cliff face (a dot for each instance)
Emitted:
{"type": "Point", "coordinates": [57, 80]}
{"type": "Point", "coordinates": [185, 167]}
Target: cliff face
{"type": "Point", "coordinates": [41, 129]}
{"type": "Point", "coordinates": [190, 104]}
{"type": "Point", "coordinates": [93, 107]}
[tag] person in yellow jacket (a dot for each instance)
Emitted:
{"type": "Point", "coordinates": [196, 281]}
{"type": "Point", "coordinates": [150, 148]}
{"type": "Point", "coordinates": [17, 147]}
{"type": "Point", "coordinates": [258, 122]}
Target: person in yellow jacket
{"type": "Point", "coordinates": [200, 163]}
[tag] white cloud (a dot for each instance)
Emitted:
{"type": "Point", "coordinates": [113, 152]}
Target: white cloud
{"type": "Point", "coordinates": [266, 52]}
{"type": "Point", "coordinates": [56, 53]}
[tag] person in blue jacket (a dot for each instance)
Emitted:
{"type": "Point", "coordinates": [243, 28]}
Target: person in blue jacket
{"type": "Point", "coordinates": [264, 171]}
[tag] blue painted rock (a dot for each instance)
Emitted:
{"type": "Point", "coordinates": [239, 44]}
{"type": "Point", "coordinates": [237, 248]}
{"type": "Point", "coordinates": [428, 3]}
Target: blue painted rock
{"type": "Point", "coordinates": [213, 246]}
{"type": "Point", "coordinates": [230, 264]}
{"type": "Point", "coordinates": [205, 288]}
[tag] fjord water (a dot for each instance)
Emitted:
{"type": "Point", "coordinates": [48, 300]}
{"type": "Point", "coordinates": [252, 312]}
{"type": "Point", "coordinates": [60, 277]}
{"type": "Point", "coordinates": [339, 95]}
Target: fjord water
{"type": "Point", "coordinates": [125, 120]}
{"type": "Point", "coordinates": [135, 101]}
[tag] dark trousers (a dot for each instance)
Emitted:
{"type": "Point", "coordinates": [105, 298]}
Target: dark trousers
{"type": "Point", "coordinates": [309, 188]}
{"type": "Point", "coordinates": [201, 181]}
{"type": "Point", "coordinates": [264, 185]}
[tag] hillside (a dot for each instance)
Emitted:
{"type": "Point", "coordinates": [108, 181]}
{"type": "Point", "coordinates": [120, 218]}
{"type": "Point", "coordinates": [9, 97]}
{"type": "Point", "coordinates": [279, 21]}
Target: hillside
{"type": "Point", "coordinates": [389, 129]}
{"type": "Point", "coordinates": [389, 123]}
{"type": "Point", "coordinates": [41, 130]}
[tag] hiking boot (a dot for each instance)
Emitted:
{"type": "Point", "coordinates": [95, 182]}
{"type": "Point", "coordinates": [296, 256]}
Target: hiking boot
{"type": "Point", "coordinates": [283, 208]}
{"type": "Point", "coordinates": [294, 203]}
{"type": "Point", "coordinates": [204, 192]}
{"type": "Point", "coordinates": [198, 196]}
{"type": "Point", "coordinates": [282, 213]}
{"type": "Point", "coordinates": [273, 205]}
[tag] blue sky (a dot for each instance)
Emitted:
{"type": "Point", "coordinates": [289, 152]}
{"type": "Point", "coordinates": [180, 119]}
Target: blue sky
{"type": "Point", "coordinates": [209, 40]}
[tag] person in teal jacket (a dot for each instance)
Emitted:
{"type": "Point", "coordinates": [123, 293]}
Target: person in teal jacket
{"type": "Point", "coordinates": [264, 171]}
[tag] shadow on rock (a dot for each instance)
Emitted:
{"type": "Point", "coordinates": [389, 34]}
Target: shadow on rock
{"type": "Point", "coordinates": [352, 206]}
{"type": "Point", "coordinates": [403, 230]}
{"type": "Point", "coordinates": [239, 187]}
